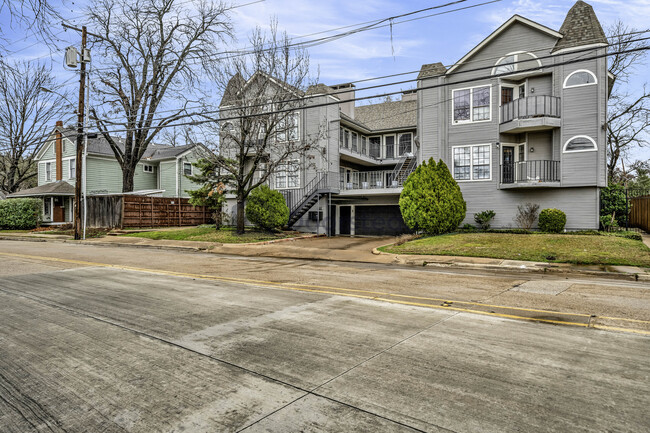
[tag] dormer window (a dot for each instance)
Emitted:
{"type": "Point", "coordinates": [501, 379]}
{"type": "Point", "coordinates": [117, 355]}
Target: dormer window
{"type": "Point", "coordinates": [580, 78]}
{"type": "Point", "coordinates": [516, 61]}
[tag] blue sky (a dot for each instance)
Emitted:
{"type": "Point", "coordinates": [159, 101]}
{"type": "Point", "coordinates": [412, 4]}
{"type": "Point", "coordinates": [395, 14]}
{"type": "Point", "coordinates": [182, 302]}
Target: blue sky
{"type": "Point", "coordinates": [444, 38]}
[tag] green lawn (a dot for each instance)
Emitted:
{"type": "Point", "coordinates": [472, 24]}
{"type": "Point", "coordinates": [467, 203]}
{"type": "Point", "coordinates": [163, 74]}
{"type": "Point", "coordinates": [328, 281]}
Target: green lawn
{"type": "Point", "coordinates": [209, 234]}
{"type": "Point", "coordinates": [560, 248]}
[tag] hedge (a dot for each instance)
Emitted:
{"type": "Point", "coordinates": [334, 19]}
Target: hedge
{"type": "Point", "coordinates": [20, 213]}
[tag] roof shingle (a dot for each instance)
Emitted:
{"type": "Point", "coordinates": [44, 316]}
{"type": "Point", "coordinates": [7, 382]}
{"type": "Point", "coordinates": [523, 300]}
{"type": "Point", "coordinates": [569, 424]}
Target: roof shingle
{"type": "Point", "coordinates": [581, 27]}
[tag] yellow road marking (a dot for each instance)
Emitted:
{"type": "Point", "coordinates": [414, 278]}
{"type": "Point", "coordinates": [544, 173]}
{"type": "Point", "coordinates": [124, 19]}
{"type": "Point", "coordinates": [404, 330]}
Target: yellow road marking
{"type": "Point", "coordinates": [353, 293]}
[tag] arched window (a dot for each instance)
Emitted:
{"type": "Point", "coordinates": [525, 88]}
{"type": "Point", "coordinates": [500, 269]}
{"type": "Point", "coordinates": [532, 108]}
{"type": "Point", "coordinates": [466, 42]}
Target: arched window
{"type": "Point", "coordinates": [580, 143]}
{"type": "Point", "coordinates": [580, 78]}
{"type": "Point", "coordinates": [517, 61]}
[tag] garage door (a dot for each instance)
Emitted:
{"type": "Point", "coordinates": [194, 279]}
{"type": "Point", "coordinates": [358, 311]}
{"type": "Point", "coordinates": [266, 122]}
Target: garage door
{"type": "Point", "coordinates": [379, 220]}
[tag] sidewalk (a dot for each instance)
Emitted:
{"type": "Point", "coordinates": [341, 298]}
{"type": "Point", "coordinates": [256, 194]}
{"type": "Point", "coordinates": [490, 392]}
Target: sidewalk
{"type": "Point", "coordinates": [364, 250]}
{"type": "Point", "coordinates": [354, 249]}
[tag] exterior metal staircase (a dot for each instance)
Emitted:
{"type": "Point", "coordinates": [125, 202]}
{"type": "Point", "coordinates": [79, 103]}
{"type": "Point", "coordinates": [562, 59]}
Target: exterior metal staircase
{"type": "Point", "coordinates": [301, 200]}
{"type": "Point", "coordinates": [404, 168]}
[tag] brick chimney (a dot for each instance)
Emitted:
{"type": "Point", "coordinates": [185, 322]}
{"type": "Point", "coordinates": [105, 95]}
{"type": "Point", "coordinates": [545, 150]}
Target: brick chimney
{"type": "Point", "coordinates": [58, 150]}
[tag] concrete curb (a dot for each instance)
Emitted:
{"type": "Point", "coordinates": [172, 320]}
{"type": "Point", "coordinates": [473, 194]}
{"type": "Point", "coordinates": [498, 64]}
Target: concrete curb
{"type": "Point", "coordinates": [527, 267]}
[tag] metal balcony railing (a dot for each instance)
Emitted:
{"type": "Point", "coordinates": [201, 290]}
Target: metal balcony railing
{"type": "Point", "coordinates": [369, 180]}
{"type": "Point", "coordinates": [531, 106]}
{"type": "Point", "coordinates": [530, 172]}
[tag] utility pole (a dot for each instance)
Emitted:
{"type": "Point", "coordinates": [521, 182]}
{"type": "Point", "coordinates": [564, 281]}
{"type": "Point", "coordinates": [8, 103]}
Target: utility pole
{"type": "Point", "coordinates": [80, 138]}
{"type": "Point", "coordinates": [81, 133]}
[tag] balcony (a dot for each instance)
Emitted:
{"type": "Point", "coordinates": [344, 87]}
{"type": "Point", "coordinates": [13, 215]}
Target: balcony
{"type": "Point", "coordinates": [371, 181]}
{"type": "Point", "coordinates": [530, 174]}
{"type": "Point", "coordinates": [533, 113]}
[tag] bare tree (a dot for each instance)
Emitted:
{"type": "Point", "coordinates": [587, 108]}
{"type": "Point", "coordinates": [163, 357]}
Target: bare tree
{"type": "Point", "coordinates": [260, 114]}
{"type": "Point", "coordinates": [36, 15]}
{"type": "Point", "coordinates": [628, 115]}
{"type": "Point", "coordinates": [29, 106]}
{"type": "Point", "coordinates": [153, 53]}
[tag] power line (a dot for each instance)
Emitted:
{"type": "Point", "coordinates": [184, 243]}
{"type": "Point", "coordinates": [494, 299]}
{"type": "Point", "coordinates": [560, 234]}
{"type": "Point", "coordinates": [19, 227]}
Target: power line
{"type": "Point", "coordinates": [587, 50]}
{"type": "Point", "coordinates": [433, 86]}
{"type": "Point", "coordinates": [300, 99]}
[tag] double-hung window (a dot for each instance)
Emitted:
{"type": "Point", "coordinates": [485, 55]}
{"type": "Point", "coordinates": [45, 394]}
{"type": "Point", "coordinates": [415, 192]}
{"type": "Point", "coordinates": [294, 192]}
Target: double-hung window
{"type": "Point", "coordinates": [48, 171]}
{"type": "Point", "coordinates": [73, 169]}
{"type": "Point", "coordinates": [187, 168]}
{"type": "Point", "coordinates": [287, 175]}
{"type": "Point", "coordinates": [472, 105]}
{"type": "Point", "coordinates": [472, 162]}
{"type": "Point", "coordinates": [288, 128]}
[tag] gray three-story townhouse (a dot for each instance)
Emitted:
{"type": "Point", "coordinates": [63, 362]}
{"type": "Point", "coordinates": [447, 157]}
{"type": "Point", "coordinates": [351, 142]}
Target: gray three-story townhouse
{"type": "Point", "coordinates": [161, 172]}
{"type": "Point", "coordinates": [520, 118]}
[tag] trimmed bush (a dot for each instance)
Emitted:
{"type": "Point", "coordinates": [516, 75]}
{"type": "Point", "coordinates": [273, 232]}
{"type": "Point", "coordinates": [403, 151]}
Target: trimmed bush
{"type": "Point", "coordinates": [483, 219]}
{"type": "Point", "coordinates": [20, 213]}
{"type": "Point", "coordinates": [267, 208]}
{"type": "Point", "coordinates": [431, 200]}
{"type": "Point", "coordinates": [552, 220]}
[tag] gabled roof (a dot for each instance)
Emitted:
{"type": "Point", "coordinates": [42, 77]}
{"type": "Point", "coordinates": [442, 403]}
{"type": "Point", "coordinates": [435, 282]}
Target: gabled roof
{"type": "Point", "coordinates": [432, 70]}
{"type": "Point", "coordinates": [99, 146]}
{"type": "Point", "coordinates": [387, 115]}
{"type": "Point", "coordinates": [237, 83]}
{"type": "Point", "coordinates": [580, 27]}
{"type": "Point", "coordinates": [53, 188]}
{"type": "Point", "coordinates": [501, 29]}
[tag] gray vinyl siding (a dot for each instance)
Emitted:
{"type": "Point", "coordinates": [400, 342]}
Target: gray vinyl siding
{"type": "Point", "coordinates": [583, 109]}
{"type": "Point", "coordinates": [429, 119]}
{"type": "Point", "coordinates": [542, 144]}
{"type": "Point", "coordinates": [519, 37]}
{"type": "Point", "coordinates": [542, 85]}
{"type": "Point", "coordinates": [579, 204]}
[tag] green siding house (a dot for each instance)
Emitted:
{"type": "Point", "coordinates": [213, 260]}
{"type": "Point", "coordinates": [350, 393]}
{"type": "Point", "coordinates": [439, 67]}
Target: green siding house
{"type": "Point", "coordinates": [161, 172]}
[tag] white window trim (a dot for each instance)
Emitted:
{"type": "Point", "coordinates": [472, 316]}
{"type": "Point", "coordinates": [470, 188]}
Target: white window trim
{"type": "Point", "coordinates": [191, 168]}
{"type": "Point", "coordinates": [564, 85]}
{"type": "Point", "coordinates": [595, 149]}
{"type": "Point", "coordinates": [48, 176]}
{"type": "Point", "coordinates": [383, 151]}
{"type": "Point", "coordinates": [516, 63]}
{"type": "Point", "coordinates": [70, 176]}
{"type": "Point", "coordinates": [471, 163]}
{"type": "Point", "coordinates": [290, 161]}
{"type": "Point", "coordinates": [286, 131]}
{"type": "Point", "coordinates": [399, 136]}
{"type": "Point", "coordinates": [146, 171]}
{"type": "Point", "coordinates": [471, 105]}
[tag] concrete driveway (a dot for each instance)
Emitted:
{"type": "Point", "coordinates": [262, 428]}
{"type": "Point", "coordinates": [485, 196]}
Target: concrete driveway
{"type": "Point", "coordinates": [101, 348]}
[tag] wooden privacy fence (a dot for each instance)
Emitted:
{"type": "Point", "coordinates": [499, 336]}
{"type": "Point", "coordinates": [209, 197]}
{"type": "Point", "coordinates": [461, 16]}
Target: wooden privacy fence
{"type": "Point", "coordinates": [142, 211]}
{"type": "Point", "coordinates": [640, 213]}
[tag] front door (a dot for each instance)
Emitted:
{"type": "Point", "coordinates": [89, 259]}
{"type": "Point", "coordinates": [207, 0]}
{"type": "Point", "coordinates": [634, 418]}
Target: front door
{"type": "Point", "coordinates": [345, 219]}
{"type": "Point", "coordinates": [58, 212]}
{"type": "Point", "coordinates": [508, 171]}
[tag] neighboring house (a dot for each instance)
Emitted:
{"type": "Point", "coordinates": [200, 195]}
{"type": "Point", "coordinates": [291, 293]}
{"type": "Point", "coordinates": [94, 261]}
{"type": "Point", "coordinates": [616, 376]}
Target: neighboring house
{"type": "Point", "coordinates": [520, 118]}
{"type": "Point", "coordinates": [161, 172]}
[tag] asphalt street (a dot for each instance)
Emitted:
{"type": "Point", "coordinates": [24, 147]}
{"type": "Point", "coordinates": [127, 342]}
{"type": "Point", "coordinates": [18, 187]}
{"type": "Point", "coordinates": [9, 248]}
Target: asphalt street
{"type": "Point", "coordinates": [108, 339]}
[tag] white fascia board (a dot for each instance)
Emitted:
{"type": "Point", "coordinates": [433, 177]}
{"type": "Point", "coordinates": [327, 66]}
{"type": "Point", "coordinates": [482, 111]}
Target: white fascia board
{"type": "Point", "coordinates": [581, 47]}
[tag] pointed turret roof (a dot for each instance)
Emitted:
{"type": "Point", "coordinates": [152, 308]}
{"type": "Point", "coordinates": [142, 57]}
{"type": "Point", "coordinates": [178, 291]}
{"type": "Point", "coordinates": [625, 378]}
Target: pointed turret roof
{"type": "Point", "coordinates": [581, 27]}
